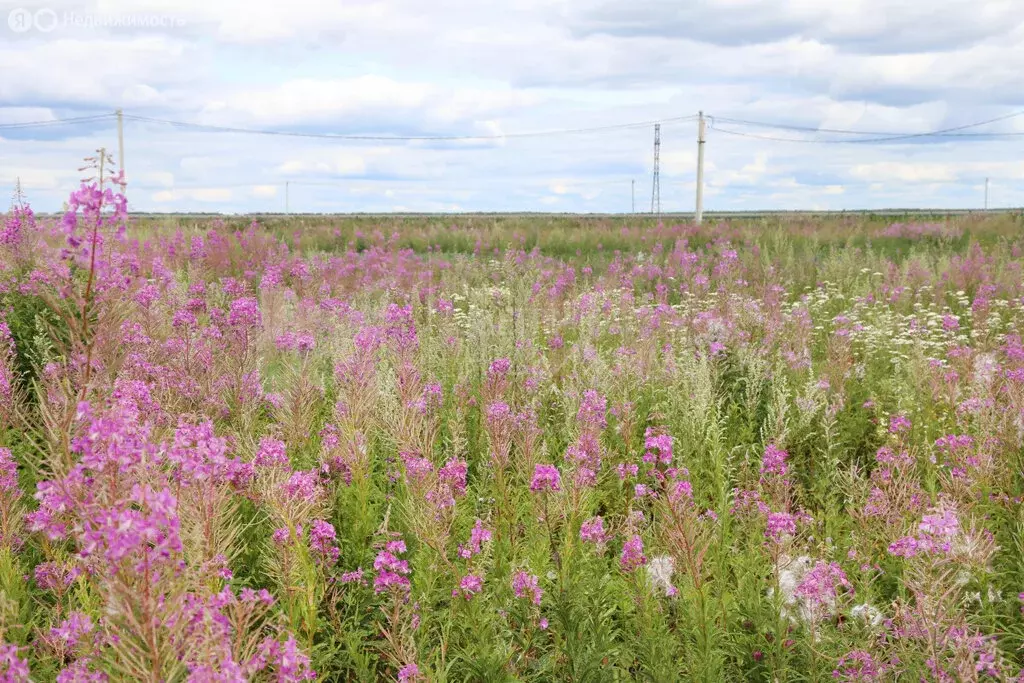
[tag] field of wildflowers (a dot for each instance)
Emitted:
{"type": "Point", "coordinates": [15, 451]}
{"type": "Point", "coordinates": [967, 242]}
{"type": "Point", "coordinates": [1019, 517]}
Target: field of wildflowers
{"type": "Point", "coordinates": [526, 449]}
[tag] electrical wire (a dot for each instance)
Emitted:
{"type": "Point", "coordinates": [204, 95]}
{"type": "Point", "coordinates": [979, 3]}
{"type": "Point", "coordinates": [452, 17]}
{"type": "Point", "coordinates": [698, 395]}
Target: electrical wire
{"type": "Point", "coordinates": [946, 132]}
{"type": "Point", "coordinates": [405, 138]}
{"type": "Point", "coordinates": [953, 131]}
{"type": "Point", "coordinates": [55, 122]}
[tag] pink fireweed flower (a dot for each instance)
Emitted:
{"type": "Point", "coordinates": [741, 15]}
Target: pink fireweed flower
{"type": "Point", "coordinates": [779, 526]}
{"type": "Point", "coordinates": [858, 665]}
{"type": "Point", "coordinates": [499, 413]}
{"type": "Point", "coordinates": [478, 535]}
{"type": "Point", "coordinates": [271, 453]}
{"type": "Point", "coordinates": [774, 461]}
{"type": "Point", "coordinates": [7, 373]}
{"type": "Point", "coordinates": [13, 669]}
{"type": "Point", "coordinates": [470, 585]}
{"type": "Point", "coordinates": [244, 313]}
{"type": "Point", "coordinates": [627, 470]}
{"type": "Point", "coordinates": [19, 222]}
{"type": "Point", "coordinates": [8, 474]}
{"type": "Point", "coordinates": [391, 571]}
{"type": "Point", "coordinates": [184, 319]}
{"type": "Point", "coordinates": [71, 630]}
{"type": "Point", "coordinates": [453, 474]}
{"type": "Point", "coordinates": [50, 576]}
{"type": "Point", "coordinates": [355, 576]}
{"type": "Point", "coordinates": [632, 554]}
{"type": "Point", "coordinates": [899, 424]}
{"type": "Point", "coordinates": [409, 673]}
{"type": "Point", "coordinates": [444, 307]}
{"type": "Point", "coordinates": [417, 468]}
{"type": "Point", "coordinates": [304, 485]}
{"type": "Point", "coordinates": [658, 445]}
{"type": "Point", "coordinates": [145, 530]}
{"type": "Point", "coordinates": [526, 585]}
{"type": "Point", "coordinates": [291, 663]}
{"type": "Point", "coordinates": [321, 539]}
{"type": "Point", "coordinates": [585, 477]}
{"type": "Point", "coordinates": [821, 584]}
{"type": "Point", "coordinates": [283, 535]}
{"type": "Point", "coordinates": [79, 672]}
{"type": "Point", "coordinates": [680, 491]}
{"type": "Point", "coordinates": [592, 414]}
{"type": "Point", "coordinates": [499, 368]}
{"type": "Point", "coordinates": [546, 478]}
{"type": "Point", "coordinates": [937, 532]}
{"type": "Point", "coordinates": [592, 531]}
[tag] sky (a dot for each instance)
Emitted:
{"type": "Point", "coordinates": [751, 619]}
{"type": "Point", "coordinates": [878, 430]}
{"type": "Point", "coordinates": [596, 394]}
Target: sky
{"type": "Point", "coordinates": [498, 70]}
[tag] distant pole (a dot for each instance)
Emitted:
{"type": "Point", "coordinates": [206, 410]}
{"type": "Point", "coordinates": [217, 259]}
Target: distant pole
{"type": "Point", "coordinates": [632, 193]}
{"type": "Point", "coordinates": [986, 194]}
{"type": "Point", "coordinates": [698, 215]}
{"type": "Point", "coordinates": [656, 185]}
{"type": "Point", "coordinates": [120, 141]}
{"type": "Point", "coordinates": [287, 208]}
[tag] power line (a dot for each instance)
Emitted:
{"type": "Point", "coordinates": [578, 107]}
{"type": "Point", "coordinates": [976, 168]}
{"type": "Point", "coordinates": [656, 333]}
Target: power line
{"type": "Point", "coordinates": [953, 131]}
{"type": "Point", "coordinates": [55, 122]}
{"type": "Point", "coordinates": [406, 138]}
{"type": "Point", "coordinates": [842, 131]}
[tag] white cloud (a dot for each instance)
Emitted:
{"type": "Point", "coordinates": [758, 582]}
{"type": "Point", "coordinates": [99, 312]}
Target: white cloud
{"type": "Point", "coordinates": [264, 191]}
{"type": "Point", "coordinates": [897, 170]}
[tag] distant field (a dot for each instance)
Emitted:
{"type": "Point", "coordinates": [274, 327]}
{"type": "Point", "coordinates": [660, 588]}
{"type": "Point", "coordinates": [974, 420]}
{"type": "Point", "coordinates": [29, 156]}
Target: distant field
{"type": "Point", "coordinates": [511, 447]}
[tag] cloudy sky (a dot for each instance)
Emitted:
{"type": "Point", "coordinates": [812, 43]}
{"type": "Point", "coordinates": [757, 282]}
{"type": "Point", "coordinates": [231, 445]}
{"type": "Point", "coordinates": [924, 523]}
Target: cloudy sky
{"type": "Point", "coordinates": [465, 68]}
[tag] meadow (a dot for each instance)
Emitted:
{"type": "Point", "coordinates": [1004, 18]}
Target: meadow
{"type": "Point", "coordinates": [509, 448]}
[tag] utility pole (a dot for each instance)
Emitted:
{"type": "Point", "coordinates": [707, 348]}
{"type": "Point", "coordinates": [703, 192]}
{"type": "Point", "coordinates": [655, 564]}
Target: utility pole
{"type": "Point", "coordinates": [632, 193]}
{"type": "Point", "coordinates": [120, 142]}
{"type": "Point", "coordinates": [656, 186]}
{"type": "Point", "coordinates": [986, 194]}
{"type": "Point", "coordinates": [287, 208]}
{"type": "Point", "coordinates": [698, 215]}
